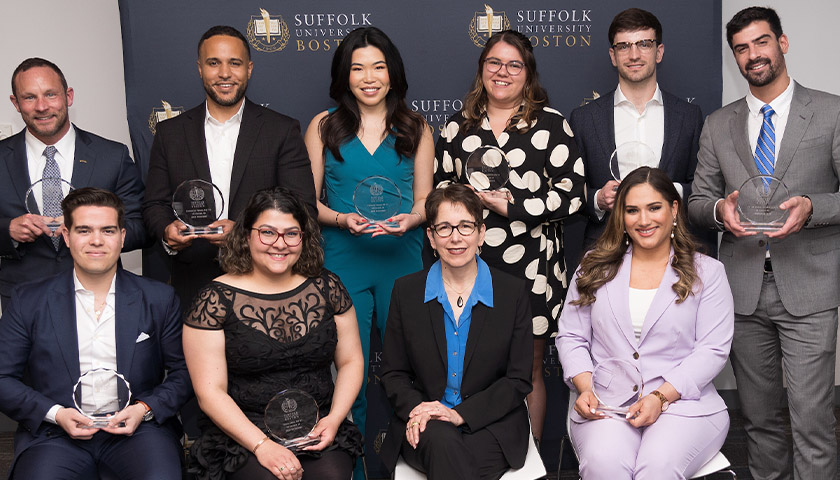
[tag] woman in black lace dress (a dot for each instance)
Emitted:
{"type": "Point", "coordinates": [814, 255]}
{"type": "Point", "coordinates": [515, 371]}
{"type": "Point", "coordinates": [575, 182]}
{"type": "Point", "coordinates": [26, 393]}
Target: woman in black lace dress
{"type": "Point", "coordinates": [276, 320]}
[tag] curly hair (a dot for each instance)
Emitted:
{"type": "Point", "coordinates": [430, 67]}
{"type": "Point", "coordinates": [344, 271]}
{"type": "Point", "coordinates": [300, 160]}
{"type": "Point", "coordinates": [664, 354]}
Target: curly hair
{"type": "Point", "coordinates": [235, 255]}
{"type": "Point", "coordinates": [534, 96]}
{"type": "Point", "coordinates": [601, 264]}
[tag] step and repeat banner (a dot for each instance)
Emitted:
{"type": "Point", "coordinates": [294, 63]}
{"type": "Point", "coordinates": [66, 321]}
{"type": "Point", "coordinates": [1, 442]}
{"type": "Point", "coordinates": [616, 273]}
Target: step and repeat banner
{"type": "Point", "coordinates": [292, 44]}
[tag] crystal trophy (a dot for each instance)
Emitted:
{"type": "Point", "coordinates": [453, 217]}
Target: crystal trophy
{"type": "Point", "coordinates": [198, 203]}
{"type": "Point", "coordinates": [36, 193]}
{"type": "Point", "coordinates": [487, 168]}
{"type": "Point", "coordinates": [617, 384]}
{"type": "Point", "coordinates": [630, 156]}
{"type": "Point", "coordinates": [99, 394]}
{"type": "Point", "coordinates": [377, 199]}
{"type": "Point", "coordinates": [759, 199]}
{"type": "Point", "coordinates": [290, 417]}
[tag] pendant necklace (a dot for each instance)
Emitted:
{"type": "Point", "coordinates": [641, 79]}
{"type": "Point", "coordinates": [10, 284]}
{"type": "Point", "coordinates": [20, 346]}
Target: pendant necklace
{"type": "Point", "coordinates": [460, 301]}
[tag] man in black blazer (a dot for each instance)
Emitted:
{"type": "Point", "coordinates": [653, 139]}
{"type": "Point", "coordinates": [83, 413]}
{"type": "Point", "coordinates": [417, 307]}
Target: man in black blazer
{"type": "Point", "coordinates": [94, 316]}
{"type": "Point", "coordinates": [636, 111]}
{"type": "Point", "coordinates": [28, 248]}
{"type": "Point", "coordinates": [238, 145]}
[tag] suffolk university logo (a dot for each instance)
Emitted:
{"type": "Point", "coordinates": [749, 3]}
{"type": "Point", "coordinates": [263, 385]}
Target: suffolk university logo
{"type": "Point", "coordinates": [267, 33]}
{"type": "Point", "coordinates": [160, 114]}
{"type": "Point", "coordinates": [485, 23]}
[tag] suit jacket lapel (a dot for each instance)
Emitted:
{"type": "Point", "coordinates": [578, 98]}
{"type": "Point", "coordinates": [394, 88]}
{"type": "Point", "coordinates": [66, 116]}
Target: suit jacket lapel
{"type": "Point", "coordinates": [606, 118]}
{"type": "Point", "coordinates": [18, 167]}
{"type": "Point", "coordinates": [618, 293]}
{"type": "Point", "coordinates": [673, 120]}
{"type": "Point", "coordinates": [84, 162]}
{"type": "Point", "coordinates": [438, 329]}
{"type": "Point", "coordinates": [248, 133]}
{"type": "Point", "coordinates": [664, 298]}
{"type": "Point", "coordinates": [738, 127]}
{"type": "Point", "coordinates": [61, 304]}
{"type": "Point", "coordinates": [127, 318]}
{"type": "Point", "coordinates": [799, 118]}
{"type": "Point", "coordinates": [194, 133]}
{"type": "Point", "coordinates": [477, 322]}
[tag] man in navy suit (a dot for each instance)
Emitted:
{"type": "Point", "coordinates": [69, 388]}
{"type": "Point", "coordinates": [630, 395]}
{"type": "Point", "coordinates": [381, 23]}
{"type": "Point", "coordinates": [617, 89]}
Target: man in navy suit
{"type": "Point", "coordinates": [94, 316]}
{"type": "Point", "coordinates": [637, 110]}
{"type": "Point", "coordinates": [29, 249]}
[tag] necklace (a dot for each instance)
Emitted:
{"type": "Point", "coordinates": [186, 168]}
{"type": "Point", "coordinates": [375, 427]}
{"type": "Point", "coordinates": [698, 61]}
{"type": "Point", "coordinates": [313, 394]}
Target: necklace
{"type": "Point", "coordinates": [460, 301]}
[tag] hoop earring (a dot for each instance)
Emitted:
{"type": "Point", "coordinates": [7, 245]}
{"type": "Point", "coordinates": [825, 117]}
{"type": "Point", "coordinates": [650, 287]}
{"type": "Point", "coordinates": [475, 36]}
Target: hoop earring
{"type": "Point", "coordinates": [674, 228]}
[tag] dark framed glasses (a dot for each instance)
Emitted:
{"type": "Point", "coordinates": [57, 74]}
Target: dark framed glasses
{"type": "Point", "coordinates": [269, 236]}
{"type": "Point", "coordinates": [465, 228]}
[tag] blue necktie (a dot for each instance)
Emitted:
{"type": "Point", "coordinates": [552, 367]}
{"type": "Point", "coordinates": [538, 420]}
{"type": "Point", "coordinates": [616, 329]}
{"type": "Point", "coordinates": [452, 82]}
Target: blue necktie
{"type": "Point", "coordinates": [51, 188]}
{"type": "Point", "coordinates": [765, 149]}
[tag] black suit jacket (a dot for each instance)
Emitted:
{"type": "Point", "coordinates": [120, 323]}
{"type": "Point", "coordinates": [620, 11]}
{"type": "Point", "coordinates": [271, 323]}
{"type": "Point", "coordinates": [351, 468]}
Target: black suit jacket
{"type": "Point", "coordinates": [98, 163]}
{"type": "Point", "coordinates": [39, 361]}
{"type": "Point", "coordinates": [497, 363]}
{"type": "Point", "coordinates": [594, 129]}
{"type": "Point", "coordinates": [269, 152]}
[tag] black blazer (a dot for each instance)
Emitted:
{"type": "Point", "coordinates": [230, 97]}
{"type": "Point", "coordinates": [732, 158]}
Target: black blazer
{"type": "Point", "coordinates": [98, 163]}
{"type": "Point", "coordinates": [497, 363]}
{"type": "Point", "coordinates": [269, 152]}
{"type": "Point", "coordinates": [594, 129]}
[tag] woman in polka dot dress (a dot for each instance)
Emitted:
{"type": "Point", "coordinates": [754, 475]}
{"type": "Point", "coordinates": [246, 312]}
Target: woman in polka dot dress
{"type": "Point", "coordinates": [508, 108]}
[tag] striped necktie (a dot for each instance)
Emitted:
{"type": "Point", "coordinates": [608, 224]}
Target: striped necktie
{"type": "Point", "coordinates": [51, 188]}
{"type": "Point", "coordinates": [765, 149]}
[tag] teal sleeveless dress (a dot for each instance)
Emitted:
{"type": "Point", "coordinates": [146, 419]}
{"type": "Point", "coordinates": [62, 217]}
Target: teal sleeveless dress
{"type": "Point", "coordinates": [368, 266]}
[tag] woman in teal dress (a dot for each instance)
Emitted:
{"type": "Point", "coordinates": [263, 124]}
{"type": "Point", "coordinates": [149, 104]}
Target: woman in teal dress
{"type": "Point", "coordinates": [371, 132]}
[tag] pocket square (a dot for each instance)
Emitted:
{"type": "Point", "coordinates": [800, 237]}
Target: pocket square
{"type": "Point", "coordinates": [141, 337]}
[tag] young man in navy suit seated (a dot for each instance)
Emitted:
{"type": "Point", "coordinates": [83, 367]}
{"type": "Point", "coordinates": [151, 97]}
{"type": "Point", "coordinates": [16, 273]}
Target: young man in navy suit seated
{"type": "Point", "coordinates": [95, 316]}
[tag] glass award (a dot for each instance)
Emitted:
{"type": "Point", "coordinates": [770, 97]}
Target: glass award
{"type": "Point", "coordinates": [487, 168]}
{"type": "Point", "coordinates": [630, 156]}
{"type": "Point", "coordinates": [617, 384]}
{"type": "Point", "coordinates": [99, 394]}
{"type": "Point", "coordinates": [377, 199]}
{"type": "Point", "coordinates": [35, 194]}
{"type": "Point", "coordinates": [290, 417]}
{"type": "Point", "coordinates": [758, 203]}
{"type": "Point", "coordinates": [198, 203]}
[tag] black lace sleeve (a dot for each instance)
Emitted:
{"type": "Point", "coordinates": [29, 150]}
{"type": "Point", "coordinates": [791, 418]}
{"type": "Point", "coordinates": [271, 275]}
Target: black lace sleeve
{"type": "Point", "coordinates": [333, 290]}
{"type": "Point", "coordinates": [210, 307]}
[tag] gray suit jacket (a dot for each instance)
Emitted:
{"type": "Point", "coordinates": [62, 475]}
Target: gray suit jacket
{"type": "Point", "coordinates": [806, 263]}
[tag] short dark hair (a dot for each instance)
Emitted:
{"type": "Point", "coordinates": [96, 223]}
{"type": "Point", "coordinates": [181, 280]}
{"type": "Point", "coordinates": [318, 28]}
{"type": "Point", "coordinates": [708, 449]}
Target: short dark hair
{"type": "Point", "coordinates": [37, 62]}
{"type": "Point", "coordinates": [227, 31]}
{"type": "Point", "coordinates": [91, 197]}
{"type": "Point", "coordinates": [753, 14]}
{"type": "Point", "coordinates": [457, 194]}
{"type": "Point", "coordinates": [235, 255]}
{"type": "Point", "coordinates": [634, 19]}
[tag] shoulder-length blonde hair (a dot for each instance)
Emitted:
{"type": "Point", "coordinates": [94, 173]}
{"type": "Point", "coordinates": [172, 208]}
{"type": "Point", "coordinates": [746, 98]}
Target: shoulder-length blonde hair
{"type": "Point", "coordinates": [601, 264]}
{"type": "Point", "coordinates": [534, 96]}
{"type": "Point", "coordinates": [235, 255]}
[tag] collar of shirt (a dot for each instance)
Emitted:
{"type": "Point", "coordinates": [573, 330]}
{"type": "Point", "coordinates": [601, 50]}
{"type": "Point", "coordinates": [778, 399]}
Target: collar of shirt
{"type": "Point", "coordinates": [80, 289]}
{"type": "Point", "coordinates": [780, 104]}
{"type": "Point", "coordinates": [482, 290]}
{"type": "Point", "coordinates": [236, 118]}
{"type": "Point", "coordinates": [620, 100]}
{"type": "Point", "coordinates": [65, 152]}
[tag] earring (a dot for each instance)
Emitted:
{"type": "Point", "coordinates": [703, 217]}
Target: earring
{"type": "Point", "coordinates": [434, 253]}
{"type": "Point", "coordinates": [626, 238]}
{"type": "Point", "coordinates": [479, 249]}
{"type": "Point", "coordinates": [674, 228]}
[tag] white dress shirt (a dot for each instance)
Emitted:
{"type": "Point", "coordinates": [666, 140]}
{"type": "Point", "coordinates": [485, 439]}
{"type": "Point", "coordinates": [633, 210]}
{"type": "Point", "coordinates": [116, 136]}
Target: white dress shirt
{"type": "Point", "coordinates": [36, 160]}
{"type": "Point", "coordinates": [220, 139]}
{"type": "Point", "coordinates": [97, 344]}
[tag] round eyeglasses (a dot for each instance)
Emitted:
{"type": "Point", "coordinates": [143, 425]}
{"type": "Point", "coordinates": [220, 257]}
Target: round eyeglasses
{"type": "Point", "coordinates": [269, 236]}
{"type": "Point", "coordinates": [513, 67]}
{"type": "Point", "coordinates": [444, 230]}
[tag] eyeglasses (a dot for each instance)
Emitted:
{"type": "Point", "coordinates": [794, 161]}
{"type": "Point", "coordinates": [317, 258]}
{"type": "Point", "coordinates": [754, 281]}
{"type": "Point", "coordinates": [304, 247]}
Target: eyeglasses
{"type": "Point", "coordinates": [513, 67]}
{"type": "Point", "coordinates": [444, 230]}
{"type": "Point", "coordinates": [643, 45]}
{"type": "Point", "coordinates": [269, 236]}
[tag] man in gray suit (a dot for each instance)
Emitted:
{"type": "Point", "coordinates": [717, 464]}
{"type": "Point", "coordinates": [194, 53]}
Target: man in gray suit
{"type": "Point", "coordinates": [785, 282]}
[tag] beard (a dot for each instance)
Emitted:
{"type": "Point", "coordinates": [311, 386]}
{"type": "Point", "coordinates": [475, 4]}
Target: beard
{"type": "Point", "coordinates": [760, 79]}
{"type": "Point", "coordinates": [227, 102]}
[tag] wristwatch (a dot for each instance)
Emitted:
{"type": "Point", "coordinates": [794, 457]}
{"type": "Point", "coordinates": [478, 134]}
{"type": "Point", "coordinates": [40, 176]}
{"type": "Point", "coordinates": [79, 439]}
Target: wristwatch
{"type": "Point", "coordinates": [662, 398]}
{"type": "Point", "coordinates": [149, 415]}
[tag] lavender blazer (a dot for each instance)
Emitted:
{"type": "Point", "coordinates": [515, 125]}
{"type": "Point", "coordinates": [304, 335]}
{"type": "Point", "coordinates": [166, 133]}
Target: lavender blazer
{"type": "Point", "coordinates": [686, 344]}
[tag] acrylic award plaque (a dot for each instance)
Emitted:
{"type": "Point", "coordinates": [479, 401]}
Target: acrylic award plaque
{"type": "Point", "coordinates": [198, 203]}
{"type": "Point", "coordinates": [630, 156]}
{"type": "Point", "coordinates": [377, 199]}
{"type": "Point", "coordinates": [35, 194]}
{"type": "Point", "coordinates": [617, 384]}
{"type": "Point", "coordinates": [759, 199]}
{"type": "Point", "coordinates": [290, 417]}
{"type": "Point", "coordinates": [99, 394]}
{"type": "Point", "coordinates": [487, 168]}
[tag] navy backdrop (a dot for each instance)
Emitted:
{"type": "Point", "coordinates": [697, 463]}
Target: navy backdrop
{"type": "Point", "coordinates": [440, 41]}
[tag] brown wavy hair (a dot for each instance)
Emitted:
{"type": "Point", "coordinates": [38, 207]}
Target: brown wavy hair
{"type": "Point", "coordinates": [235, 255]}
{"type": "Point", "coordinates": [534, 96]}
{"type": "Point", "coordinates": [601, 264]}
{"type": "Point", "coordinates": [344, 122]}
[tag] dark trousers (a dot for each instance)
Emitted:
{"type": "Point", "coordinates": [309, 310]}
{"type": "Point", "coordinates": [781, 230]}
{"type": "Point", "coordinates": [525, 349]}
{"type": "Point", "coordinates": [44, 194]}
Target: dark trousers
{"type": "Point", "coordinates": [444, 453]}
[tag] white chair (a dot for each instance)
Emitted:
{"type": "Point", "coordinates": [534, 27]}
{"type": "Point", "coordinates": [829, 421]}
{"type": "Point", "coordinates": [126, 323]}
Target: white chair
{"type": "Point", "coordinates": [718, 463]}
{"type": "Point", "coordinates": [532, 469]}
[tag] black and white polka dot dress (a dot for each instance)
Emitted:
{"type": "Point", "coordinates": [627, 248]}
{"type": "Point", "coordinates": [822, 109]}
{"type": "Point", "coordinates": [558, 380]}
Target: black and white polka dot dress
{"type": "Point", "coordinates": [547, 184]}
